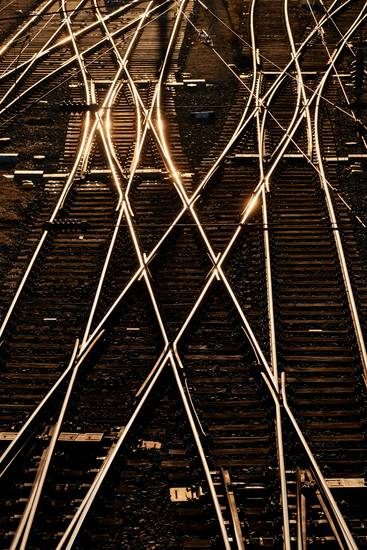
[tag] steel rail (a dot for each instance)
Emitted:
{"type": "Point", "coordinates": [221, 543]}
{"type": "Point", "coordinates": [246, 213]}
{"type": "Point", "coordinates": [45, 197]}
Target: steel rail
{"type": "Point", "coordinates": [76, 369]}
{"type": "Point", "coordinates": [24, 528]}
{"type": "Point", "coordinates": [204, 462]}
{"type": "Point", "coordinates": [330, 207]}
{"type": "Point", "coordinates": [102, 277]}
{"type": "Point", "coordinates": [76, 523]}
{"type": "Point", "coordinates": [348, 542]}
{"type": "Point", "coordinates": [140, 134]}
{"type": "Point", "coordinates": [286, 131]}
{"type": "Point", "coordinates": [157, 370]}
{"type": "Point", "coordinates": [89, 345]}
{"type": "Point", "coordinates": [68, 185]}
{"type": "Point", "coordinates": [23, 531]}
{"type": "Point", "coordinates": [76, 57]}
{"type": "Point", "coordinates": [33, 421]}
{"type": "Point", "coordinates": [80, 59]}
{"type": "Point", "coordinates": [187, 403]}
{"type": "Point", "coordinates": [106, 106]}
{"type": "Point", "coordinates": [59, 204]}
{"type": "Point", "coordinates": [320, 30]}
{"type": "Point", "coordinates": [347, 534]}
{"type": "Point", "coordinates": [274, 364]}
{"type": "Point", "coordinates": [261, 134]}
{"type": "Point", "coordinates": [283, 76]}
{"type": "Point", "coordinates": [363, 138]}
{"type": "Point", "coordinates": [7, 6]}
{"type": "Point", "coordinates": [194, 197]}
{"type": "Point", "coordinates": [66, 189]}
{"type": "Point", "coordinates": [301, 512]}
{"type": "Point", "coordinates": [300, 82]}
{"type": "Point", "coordinates": [122, 63]}
{"type": "Point", "coordinates": [242, 127]}
{"type": "Point", "coordinates": [33, 60]}
{"type": "Point", "coordinates": [141, 259]}
{"type": "Point", "coordinates": [269, 286]}
{"type": "Point", "coordinates": [259, 189]}
{"type": "Point", "coordinates": [270, 386]}
{"type": "Point", "coordinates": [138, 147]}
{"type": "Point", "coordinates": [188, 204]}
{"type": "Point", "coordinates": [245, 121]}
{"type": "Point", "coordinates": [108, 146]}
{"type": "Point", "coordinates": [325, 509]}
{"type": "Point", "coordinates": [141, 131]}
{"type": "Point", "coordinates": [287, 544]}
{"type": "Point", "coordinates": [113, 14]}
{"type": "Point", "coordinates": [218, 272]}
{"type": "Point", "coordinates": [332, 22]}
{"type": "Point", "coordinates": [26, 46]}
{"type": "Point", "coordinates": [156, 103]}
{"type": "Point", "coordinates": [342, 87]}
{"type": "Point", "coordinates": [242, 124]}
{"type": "Point", "coordinates": [161, 142]}
{"type": "Point", "coordinates": [144, 270]}
{"type": "Point", "coordinates": [140, 138]}
{"type": "Point", "coordinates": [229, 492]}
{"type": "Point", "coordinates": [212, 277]}
{"type": "Point", "coordinates": [67, 39]}
{"type": "Point", "coordinates": [229, 145]}
{"type": "Point", "coordinates": [156, 308]}
{"type": "Point", "coordinates": [155, 249]}
{"type": "Point", "coordinates": [330, 55]}
{"type": "Point", "coordinates": [30, 21]}
{"type": "Point", "coordinates": [29, 513]}
{"type": "Point", "coordinates": [114, 173]}
{"type": "Point", "coordinates": [296, 114]}
{"type": "Point", "coordinates": [275, 89]}
{"type": "Point", "coordinates": [272, 331]}
{"type": "Point", "coordinates": [262, 56]}
{"type": "Point", "coordinates": [73, 59]}
{"type": "Point", "coordinates": [273, 348]}
{"type": "Point", "coordinates": [283, 144]}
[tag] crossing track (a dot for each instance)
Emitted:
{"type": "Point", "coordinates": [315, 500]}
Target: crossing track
{"type": "Point", "coordinates": [182, 338]}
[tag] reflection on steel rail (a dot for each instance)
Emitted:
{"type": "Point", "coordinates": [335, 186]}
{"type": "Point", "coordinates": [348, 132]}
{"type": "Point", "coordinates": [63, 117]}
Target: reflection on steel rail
{"type": "Point", "coordinates": [151, 123]}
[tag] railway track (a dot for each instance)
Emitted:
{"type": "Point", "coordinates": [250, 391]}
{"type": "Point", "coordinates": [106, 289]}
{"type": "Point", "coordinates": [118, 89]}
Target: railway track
{"type": "Point", "coordinates": [183, 359]}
